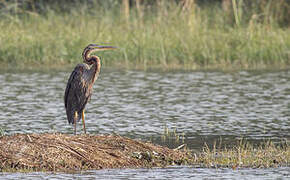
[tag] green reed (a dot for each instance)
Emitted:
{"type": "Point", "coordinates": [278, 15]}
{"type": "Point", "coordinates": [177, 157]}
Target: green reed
{"type": "Point", "coordinates": [246, 155]}
{"type": "Point", "coordinates": [170, 38]}
{"type": "Point", "coordinates": [2, 132]}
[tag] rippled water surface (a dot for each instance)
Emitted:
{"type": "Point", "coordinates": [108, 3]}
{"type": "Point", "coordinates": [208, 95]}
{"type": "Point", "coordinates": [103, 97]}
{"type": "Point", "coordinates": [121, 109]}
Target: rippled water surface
{"type": "Point", "coordinates": [201, 106]}
{"type": "Point", "coordinates": [163, 174]}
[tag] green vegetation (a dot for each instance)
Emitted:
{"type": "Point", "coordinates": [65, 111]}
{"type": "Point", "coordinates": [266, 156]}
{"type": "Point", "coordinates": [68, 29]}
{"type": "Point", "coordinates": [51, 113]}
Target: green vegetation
{"type": "Point", "coordinates": [243, 154]}
{"type": "Point", "coordinates": [163, 35]}
{"type": "Point", "coordinates": [246, 154]}
{"type": "Point", "coordinates": [2, 132]}
{"type": "Point", "coordinates": [172, 135]}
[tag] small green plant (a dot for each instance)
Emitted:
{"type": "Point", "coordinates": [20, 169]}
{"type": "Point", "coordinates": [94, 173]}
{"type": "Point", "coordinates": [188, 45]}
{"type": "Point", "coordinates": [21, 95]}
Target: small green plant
{"type": "Point", "coordinates": [173, 134]}
{"type": "Point", "coordinates": [2, 133]}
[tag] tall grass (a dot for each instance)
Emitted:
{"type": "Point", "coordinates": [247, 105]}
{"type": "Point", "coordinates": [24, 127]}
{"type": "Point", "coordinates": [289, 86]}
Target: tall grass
{"type": "Point", "coordinates": [246, 155]}
{"type": "Point", "coordinates": [168, 37]}
{"type": "Point", "coordinates": [2, 132]}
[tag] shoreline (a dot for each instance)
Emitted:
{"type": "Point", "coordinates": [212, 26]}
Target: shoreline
{"type": "Point", "coordinates": [6, 67]}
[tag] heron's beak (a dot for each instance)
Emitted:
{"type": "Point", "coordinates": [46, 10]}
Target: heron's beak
{"type": "Point", "coordinates": [103, 48]}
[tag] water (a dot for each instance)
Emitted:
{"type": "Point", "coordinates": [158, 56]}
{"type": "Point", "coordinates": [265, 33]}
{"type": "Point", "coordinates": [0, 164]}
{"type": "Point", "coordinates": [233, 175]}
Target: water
{"type": "Point", "coordinates": [162, 173]}
{"type": "Point", "coordinates": [201, 106]}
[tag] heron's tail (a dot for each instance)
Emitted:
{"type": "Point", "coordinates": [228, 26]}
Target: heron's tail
{"type": "Point", "coordinates": [72, 115]}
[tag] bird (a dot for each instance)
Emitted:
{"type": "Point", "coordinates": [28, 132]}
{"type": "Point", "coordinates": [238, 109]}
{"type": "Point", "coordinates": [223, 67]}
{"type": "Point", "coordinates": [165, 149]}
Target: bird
{"type": "Point", "coordinates": [80, 84]}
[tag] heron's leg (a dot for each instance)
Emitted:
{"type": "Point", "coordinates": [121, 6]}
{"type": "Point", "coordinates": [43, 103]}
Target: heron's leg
{"type": "Point", "coordinates": [75, 121]}
{"type": "Point", "coordinates": [83, 118]}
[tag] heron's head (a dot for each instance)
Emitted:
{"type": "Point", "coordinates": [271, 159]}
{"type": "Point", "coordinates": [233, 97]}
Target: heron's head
{"type": "Point", "coordinates": [94, 47]}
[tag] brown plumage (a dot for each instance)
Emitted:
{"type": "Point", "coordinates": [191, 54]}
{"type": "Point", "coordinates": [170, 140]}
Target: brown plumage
{"type": "Point", "coordinates": [80, 84]}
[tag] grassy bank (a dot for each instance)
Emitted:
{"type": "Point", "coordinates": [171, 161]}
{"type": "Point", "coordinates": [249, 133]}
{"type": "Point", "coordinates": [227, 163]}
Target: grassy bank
{"type": "Point", "coordinates": [63, 152]}
{"type": "Point", "coordinates": [167, 38]}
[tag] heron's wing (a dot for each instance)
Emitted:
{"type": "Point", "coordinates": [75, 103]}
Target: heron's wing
{"type": "Point", "coordinates": [76, 88]}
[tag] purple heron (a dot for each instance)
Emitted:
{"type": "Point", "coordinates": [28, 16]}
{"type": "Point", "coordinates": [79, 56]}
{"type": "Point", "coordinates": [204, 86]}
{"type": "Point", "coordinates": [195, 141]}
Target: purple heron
{"type": "Point", "coordinates": [80, 84]}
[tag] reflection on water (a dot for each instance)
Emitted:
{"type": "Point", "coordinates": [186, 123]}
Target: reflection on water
{"type": "Point", "coordinates": [202, 105]}
{"type": "Point", "coordinates": [205, 106]}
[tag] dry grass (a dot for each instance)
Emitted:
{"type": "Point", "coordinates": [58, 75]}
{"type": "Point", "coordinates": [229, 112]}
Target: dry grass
{"type": "Point", "coordinates": [62, 152]}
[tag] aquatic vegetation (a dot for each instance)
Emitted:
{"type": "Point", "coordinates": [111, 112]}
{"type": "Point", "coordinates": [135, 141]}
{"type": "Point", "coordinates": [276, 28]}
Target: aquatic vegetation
{"type": "Point", "coordinates": [244, 154]}
{"type": "Point", "coordinates": [2, 132]}
{"type": "Point", "coordinates": [167, 38]}
{"type": "Point", "coordinates": [172, 135]}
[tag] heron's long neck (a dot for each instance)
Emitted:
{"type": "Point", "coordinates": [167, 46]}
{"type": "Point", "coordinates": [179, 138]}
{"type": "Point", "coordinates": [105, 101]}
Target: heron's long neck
{"type": "Point", "coordinates": [95, 69]}
{"type": "Point", "coordinates": [86, 55]}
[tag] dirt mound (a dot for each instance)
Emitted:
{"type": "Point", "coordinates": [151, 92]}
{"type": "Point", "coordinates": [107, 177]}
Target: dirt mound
{"type": "Point", "coordinates": [63, 152]}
